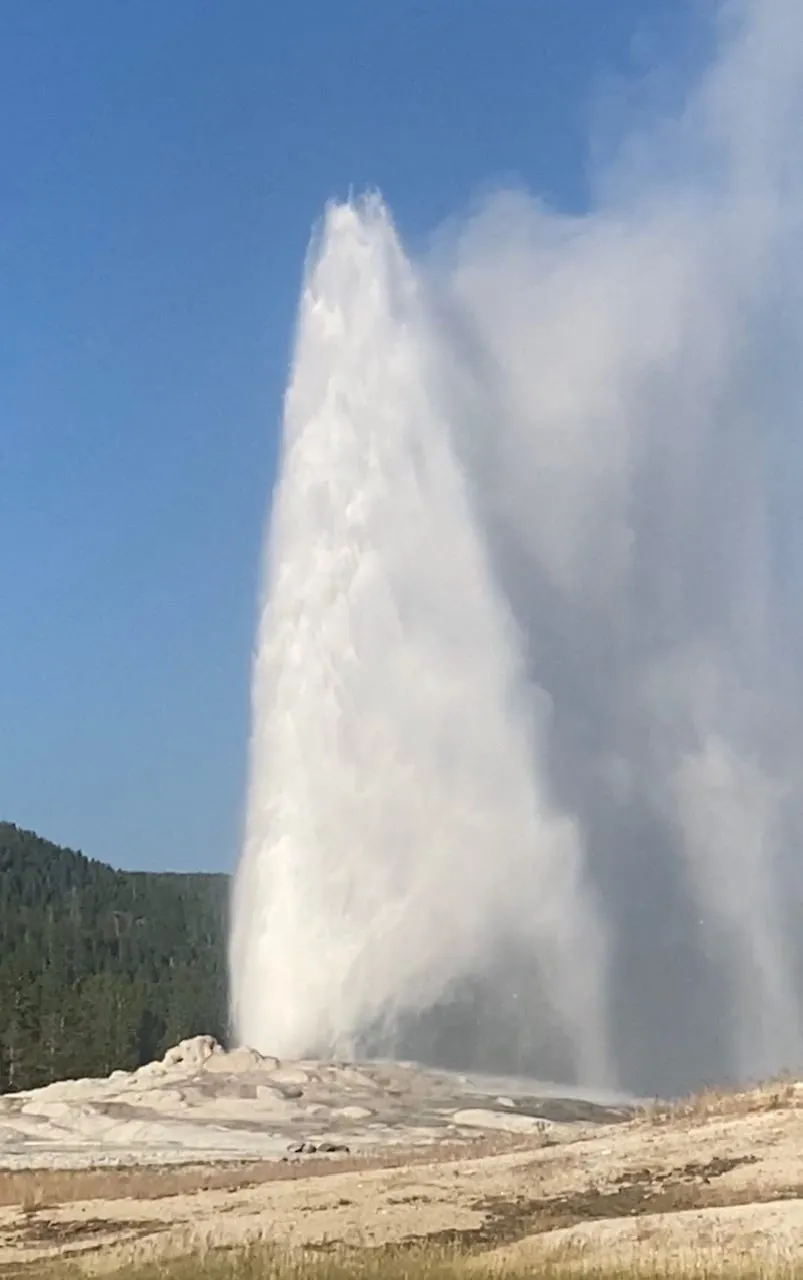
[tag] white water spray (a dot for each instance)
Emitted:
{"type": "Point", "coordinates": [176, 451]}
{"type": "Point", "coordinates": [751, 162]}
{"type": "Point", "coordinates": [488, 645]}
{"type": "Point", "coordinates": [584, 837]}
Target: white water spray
{"type": "Point", "coordinates": [525, 770]}
{"type": "Point", "coordinates": [404, 834]}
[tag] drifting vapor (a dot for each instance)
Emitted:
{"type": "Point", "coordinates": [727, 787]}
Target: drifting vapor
{"type": "Point", "coordinates": [525, 787]}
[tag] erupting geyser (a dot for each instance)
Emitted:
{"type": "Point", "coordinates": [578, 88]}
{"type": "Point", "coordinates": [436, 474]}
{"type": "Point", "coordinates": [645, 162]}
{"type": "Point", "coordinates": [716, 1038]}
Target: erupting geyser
{"type": "Point", "coordinates": [404, 833]}
{"type": "Point", "coordinates": [526, 762]}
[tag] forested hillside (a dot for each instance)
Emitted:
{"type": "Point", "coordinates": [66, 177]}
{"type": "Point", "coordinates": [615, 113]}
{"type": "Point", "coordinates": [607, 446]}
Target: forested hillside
{"type": "Point", "coordinates": [101, 969]}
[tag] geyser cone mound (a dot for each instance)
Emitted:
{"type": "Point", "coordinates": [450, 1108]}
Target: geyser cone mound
{"type": "Point", "coordinates": [399, 838]}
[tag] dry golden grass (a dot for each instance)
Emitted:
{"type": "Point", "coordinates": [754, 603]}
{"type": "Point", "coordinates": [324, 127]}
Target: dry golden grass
{"type": "Point", "coordinates": [723, 1103]}
{"type": "Point", "coordinates": [426, 1263]}
{"type": "Point", "coordinates": [44, 1188]}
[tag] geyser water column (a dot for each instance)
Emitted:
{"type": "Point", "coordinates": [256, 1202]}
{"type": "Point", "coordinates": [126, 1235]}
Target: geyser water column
{"type": "Point", "coordinates": [399, 834]}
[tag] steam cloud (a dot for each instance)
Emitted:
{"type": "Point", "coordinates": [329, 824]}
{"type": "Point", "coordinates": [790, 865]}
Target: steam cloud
{"type": "Point", "coordinates": [526, 787]}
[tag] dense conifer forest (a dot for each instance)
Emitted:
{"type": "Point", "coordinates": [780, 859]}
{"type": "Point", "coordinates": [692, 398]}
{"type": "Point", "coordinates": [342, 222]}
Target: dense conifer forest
{"type": "Point", "coordinates": [101, 969]}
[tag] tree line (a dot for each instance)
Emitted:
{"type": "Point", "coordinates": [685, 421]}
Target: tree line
{"type": "Point", "coordinates": [102, 969]}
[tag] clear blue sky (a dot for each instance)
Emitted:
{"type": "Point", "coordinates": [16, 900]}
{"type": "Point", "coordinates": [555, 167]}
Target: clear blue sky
{"type": "Point", "coordinates": [163, 161]}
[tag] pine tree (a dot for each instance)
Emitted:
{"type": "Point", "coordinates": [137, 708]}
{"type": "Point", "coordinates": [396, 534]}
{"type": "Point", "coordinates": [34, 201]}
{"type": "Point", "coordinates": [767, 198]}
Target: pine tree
{"type": "Point", "coordinates": [101, 969]}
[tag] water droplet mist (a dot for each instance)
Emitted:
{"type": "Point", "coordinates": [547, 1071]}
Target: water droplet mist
{"type": "Point", "coordinates": [525, 774]}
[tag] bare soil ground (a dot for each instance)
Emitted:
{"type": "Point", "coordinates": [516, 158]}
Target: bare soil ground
{"type": "Point", "coordinates": [720, 1177]}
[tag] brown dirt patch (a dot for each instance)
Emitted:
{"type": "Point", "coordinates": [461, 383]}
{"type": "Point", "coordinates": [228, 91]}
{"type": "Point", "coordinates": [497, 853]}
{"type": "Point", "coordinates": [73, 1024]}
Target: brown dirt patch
{"type": "Point", "coordinates": [634, 1193]}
